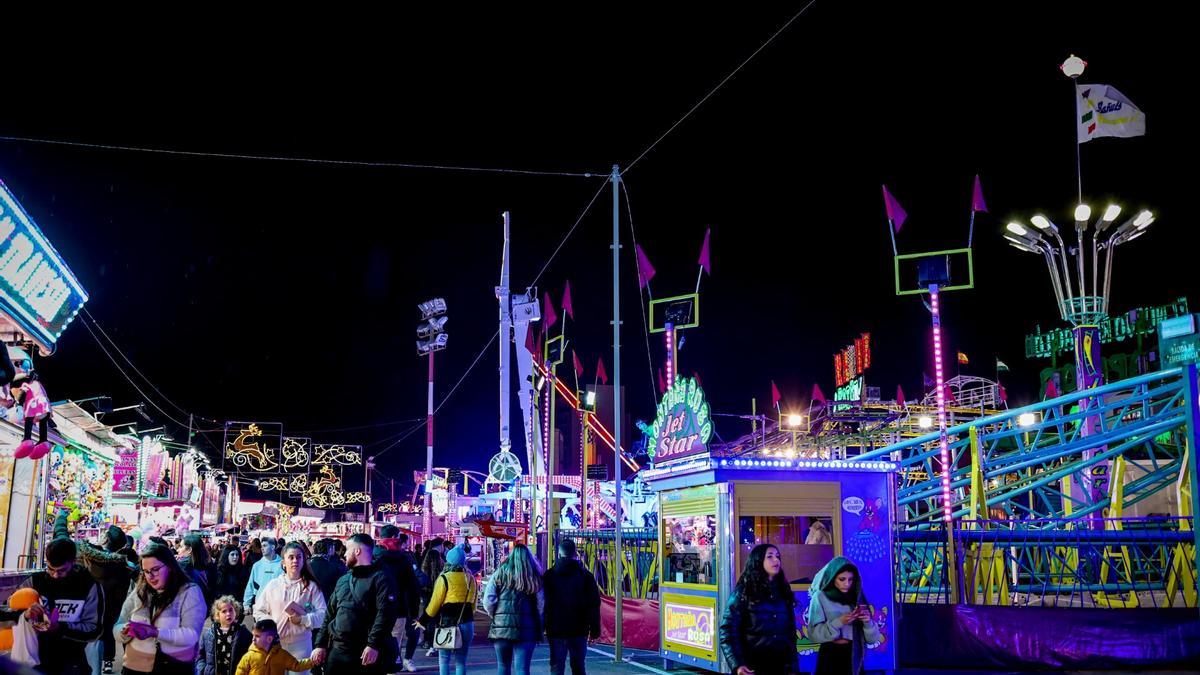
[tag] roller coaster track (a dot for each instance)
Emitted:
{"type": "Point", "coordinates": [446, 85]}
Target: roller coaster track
{"type": "Point", "coordinates": [1143, 419]}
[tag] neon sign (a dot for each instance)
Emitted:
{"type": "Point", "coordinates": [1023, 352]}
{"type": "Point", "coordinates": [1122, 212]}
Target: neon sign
{"type": "Point", "coordinates": [683, 426]}
{"type": "Point", "coordinates": [36, 288]}
{"type": "Point", "coordinates": [689, 625]}
{"type": "Point", "coordinates": [1139, 322]}
{"type": "Point", "coordinates": [853, 360]}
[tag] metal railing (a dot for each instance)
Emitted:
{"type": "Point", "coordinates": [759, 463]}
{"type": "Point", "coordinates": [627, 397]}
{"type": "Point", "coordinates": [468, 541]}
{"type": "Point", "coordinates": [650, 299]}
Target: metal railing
{"type": "Point", "coordinates": [1130, 562]}
{"type": "Point", "coordinates": [597, 551]}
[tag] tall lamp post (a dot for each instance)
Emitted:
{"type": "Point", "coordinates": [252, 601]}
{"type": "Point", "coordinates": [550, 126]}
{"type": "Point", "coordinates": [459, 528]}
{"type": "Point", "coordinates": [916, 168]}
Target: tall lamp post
{"type": "Point", "coordinates": [431, 337]}
{"type": "Point", "coordinates": [1084, 306]}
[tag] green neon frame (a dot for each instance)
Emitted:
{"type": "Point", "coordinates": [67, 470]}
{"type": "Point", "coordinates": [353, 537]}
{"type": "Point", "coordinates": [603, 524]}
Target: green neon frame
{"type": "Point", "coordinates": [959, 287]}
{"type": "Point", "coordinates": [562, 353]}
{"type": "Point", "coordinates": [695, 297]}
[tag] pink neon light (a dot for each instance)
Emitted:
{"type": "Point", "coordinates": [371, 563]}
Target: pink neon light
{"type": "Point", "coordinates": [943, 443]}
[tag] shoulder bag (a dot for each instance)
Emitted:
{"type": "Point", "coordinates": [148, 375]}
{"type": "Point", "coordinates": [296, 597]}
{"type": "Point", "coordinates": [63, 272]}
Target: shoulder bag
{"type": "Point", "coordinates": [450, 637]}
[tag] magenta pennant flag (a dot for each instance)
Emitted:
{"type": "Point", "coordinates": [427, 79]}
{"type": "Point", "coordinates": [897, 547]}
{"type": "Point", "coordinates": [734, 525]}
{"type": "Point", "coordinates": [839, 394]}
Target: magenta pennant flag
{"type": "Point", "coordinates": [644, 269]}
{"type": "Point", "coordinates": [1051, 390]}
{"type": "Point", "coordinates": [696, 376]}
{"type": "Point", "coordinates": [549, 318]}
{"type": "Point", "coordinates": [977, 203]}
{"type": "Point", "coordinates": [600, 372]}
{"type": "Point", "coordinates": [1003, 393]}
{"type": "Point", "coordinates": [900, 397]}
{"type": "Point", "coordinates": [531, 343]}
{"type": "Point", "coordinates": [895, 213]}
{"type": "Point", "coordinates": [776, 397]}
{"type": "Point", "coordinates": [705, 256]}
{"type": "Point", "coordinates": [817, 395]}
{"type": "Point", "coordinates": [578, 365]}
{"type": "Point", "coordinates": [566, 305]}
{"type": "Point", "coordinates": [662, 382]}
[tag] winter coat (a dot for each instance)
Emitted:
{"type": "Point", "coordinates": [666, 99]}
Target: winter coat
{"type": "Point", "coordinates": [362, 613]}
{"type": "Point", "coordinates": [231, 580]}
{"type": "Point", "coordinates": [327, 571]}
{"type": "Point", "coordinates": [114, 574]}
{"type": "Point", "coordinates": [206, 663]}
{"type": "Point", "coordinates": [272, 603]}
{"type": "Point", "coordinates": [515, 615]}
{"type": "Point", "coordinates": [179, 626]}
{"type": "Point", "coordinates": [275, 662]}
{"type": "Point", "coordinates": [824, 614]}
{"type": "Point", "coordinates": [400, 564]}
{"type": "Point", "coordinates": [760, 634]}
{"type": "Point", "coordinates": [572, 601]}
{"type": "Point", "coordinates": [453, 598]}
{"type": "Point", "coordinates": [79, 601]}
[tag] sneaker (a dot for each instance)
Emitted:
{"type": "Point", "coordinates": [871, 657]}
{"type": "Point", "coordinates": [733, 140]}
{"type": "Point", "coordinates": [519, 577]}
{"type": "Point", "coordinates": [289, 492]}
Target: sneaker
{"type": "Point", "coordinates": [106, 668]}
{"type": "Point", "coordinates": [409, 666]}
{"type": "Point", "coordinates": [431, 652]}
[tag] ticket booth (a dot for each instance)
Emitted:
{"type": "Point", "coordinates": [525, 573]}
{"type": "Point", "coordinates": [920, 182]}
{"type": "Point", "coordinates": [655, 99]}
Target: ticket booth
{"type": "Point", "coordinates": [712, 512]}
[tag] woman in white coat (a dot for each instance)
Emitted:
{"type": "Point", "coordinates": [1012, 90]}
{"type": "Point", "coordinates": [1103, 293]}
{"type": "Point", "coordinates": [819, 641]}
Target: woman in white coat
{"type": "Point", "coordinates": [295, 602]}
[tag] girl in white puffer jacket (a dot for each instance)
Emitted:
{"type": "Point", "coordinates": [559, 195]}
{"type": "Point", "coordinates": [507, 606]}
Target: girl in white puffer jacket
{"type": "Point", "coordinates": [295, 602]}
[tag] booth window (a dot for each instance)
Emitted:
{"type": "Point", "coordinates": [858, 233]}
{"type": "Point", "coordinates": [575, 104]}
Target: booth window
{"type": "Point", "coordinates": [690, 545]}
{"type": "Point", "coordinates": [802, 520]}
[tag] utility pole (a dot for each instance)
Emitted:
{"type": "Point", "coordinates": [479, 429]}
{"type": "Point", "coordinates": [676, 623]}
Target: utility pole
{"type": "Point", "coordinates": [367, 469]}
{"type": "Point", "coordinates": [616, 322]}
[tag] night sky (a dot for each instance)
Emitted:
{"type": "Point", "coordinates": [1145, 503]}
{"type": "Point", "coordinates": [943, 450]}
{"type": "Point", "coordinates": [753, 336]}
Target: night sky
{"type": "Point", "coordinates": [286, 291]}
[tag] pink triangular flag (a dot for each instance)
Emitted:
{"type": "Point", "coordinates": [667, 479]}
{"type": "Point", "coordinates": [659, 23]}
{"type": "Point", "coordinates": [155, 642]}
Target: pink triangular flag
{"type": "Point", "coordinates": [566, 304]}
{"type": "Point", "coordinates": [977, 203]}
{"type": "Point", "coordinates": [705, 257]}
{"type": "Point", "coordinates": [662, 381]}
{"type": "Point", "coordinates": [776, 397]}
{"type": "Point", "coordinates": [696, 376]}
{"type": "Point", "coordinates": [600, 372]}
{"type": "Point", "coordinates": [549, 318]}
{"type": "Point", "coordinates": [644, 269]}
{"type": "Point", "coordinates": [817, 395]}
{"type": "Point", "coordinates": [900, 397]}
{"type": "Point", "coordinates": [950, 400]}
{"type": "Point", "coordinates": [895, 214]}
{"type": "Point", "coordinates": [578, 365]}
{"type": "Point", "coordinates": [531, 342]}
{"type": "Point", "coordinates": [1051, 390]}
{"type": "Point", "coordinates": [1003, 393]}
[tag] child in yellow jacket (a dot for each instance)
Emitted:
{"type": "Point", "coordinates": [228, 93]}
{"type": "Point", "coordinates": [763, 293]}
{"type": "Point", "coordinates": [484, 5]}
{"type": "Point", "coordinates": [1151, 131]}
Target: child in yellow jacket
{"type": "Point", "coordinates": [266, 657]}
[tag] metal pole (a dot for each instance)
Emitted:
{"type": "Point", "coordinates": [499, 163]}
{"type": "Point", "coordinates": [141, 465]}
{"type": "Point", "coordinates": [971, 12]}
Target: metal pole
{"type": "Point", "coordinates": [551, 471]}
{"type": "Point", "coordinates": [427, 516]}
{"type": "Point", "coordinates": [1192, 396]}
{"type": "Point", "coordinates": [943, 444]}
{"type": "Point", "coordinates": [616, 322]}
{"type": "Point", "coordinates": [367, 467]}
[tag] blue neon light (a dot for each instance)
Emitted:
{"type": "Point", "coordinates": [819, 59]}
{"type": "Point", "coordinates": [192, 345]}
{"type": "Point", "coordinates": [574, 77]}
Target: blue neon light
{"type": "Point", "coordinates": [37, 289]}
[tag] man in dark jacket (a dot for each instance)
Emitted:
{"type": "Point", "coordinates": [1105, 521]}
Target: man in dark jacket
{"type": "Point", "coordinates": [111, 569]}
{"type": "Point", "coordinates": [572, 610]}
{"type": "Point", "coordinates": [72, 603]}
{"type": "Point", "coordinates": [391, 554]}
{"type": "Point", "coordinates": [357, 635]}
{"type": "Point", "coordinates": [326, 567]}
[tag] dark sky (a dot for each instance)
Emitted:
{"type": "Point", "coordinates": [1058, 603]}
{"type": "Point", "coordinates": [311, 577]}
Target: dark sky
{"type": "Point", "coordinates": [286, 291]}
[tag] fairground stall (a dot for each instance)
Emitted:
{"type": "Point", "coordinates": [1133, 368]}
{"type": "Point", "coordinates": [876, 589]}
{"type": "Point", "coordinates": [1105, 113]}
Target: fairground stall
{"type": "Point", "coordinates": [713, 511]}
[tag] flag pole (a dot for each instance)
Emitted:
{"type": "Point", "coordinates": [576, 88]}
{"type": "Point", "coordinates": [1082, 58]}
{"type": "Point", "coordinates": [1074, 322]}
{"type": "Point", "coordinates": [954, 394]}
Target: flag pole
{"type": "Point", "coordinates": [892, 232]}
{"type": "Point", "coordinates": [699, 274]}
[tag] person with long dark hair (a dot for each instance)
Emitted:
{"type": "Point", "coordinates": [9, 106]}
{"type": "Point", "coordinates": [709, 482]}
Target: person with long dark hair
{"type": "Point", "coordinates": [231, 573]}
{"type": "Point", "coordinates": [161, 619]}
{"type": "Point", "coordinates": [515, 599]}
{"type": "Point", "coordinates": [195, 560]}
{"type": "Point", "coordinates": [758, 628]}
{"type": "Point", "coordinates": [839, 618]}
{"type": "Point", "coordinates": [294, 602]}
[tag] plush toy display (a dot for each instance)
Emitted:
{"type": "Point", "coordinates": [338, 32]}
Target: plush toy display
{"type": "Point", "coordinates": [29, 392]}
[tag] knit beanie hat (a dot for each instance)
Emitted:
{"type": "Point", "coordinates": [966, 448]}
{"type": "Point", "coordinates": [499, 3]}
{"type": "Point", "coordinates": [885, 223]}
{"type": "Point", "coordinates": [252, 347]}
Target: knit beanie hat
{"type": "Point", "coordinates": [456, 556]}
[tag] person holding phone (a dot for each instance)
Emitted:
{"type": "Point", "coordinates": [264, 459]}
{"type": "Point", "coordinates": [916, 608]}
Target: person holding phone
{"type": "Point", "coordinates": [162, 618]}
{"type": "Point", "coordinates": [294, 602]}
{"type": "Point", "coordinates": [839, 618]}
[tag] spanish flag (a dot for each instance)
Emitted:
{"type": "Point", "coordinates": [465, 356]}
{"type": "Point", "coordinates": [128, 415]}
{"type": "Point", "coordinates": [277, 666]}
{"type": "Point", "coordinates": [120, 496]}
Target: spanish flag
{"type": "Point", "coordinates": [962, 359]}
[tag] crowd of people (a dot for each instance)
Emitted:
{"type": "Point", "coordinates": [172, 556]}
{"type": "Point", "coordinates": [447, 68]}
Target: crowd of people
{"type": "Point", "coordinates": [361, 606]}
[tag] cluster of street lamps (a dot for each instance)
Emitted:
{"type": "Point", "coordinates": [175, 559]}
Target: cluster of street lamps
{"type": "Point", "coordinates": [1075, 304]}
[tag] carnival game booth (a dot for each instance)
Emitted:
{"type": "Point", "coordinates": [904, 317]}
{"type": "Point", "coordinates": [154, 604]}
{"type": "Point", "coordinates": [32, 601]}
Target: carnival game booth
{"type": "Point", "coordinates": [712, 512]}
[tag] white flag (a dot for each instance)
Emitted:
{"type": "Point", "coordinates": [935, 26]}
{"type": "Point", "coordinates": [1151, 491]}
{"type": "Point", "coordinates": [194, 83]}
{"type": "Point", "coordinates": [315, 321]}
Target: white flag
{"type": "Point", "coordinates": [1104, 111]}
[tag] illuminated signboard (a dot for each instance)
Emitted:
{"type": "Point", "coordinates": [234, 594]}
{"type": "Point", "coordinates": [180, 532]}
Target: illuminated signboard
{"type": "Point", "coordinates": [853, 360]}
{"type": "Point", "coordinates": [683, 426]}
{"type": "Point", "coordinates": [1139, 322]}
{"type": "Point", "coordinates": [689, 625]}
{"type": "Point", "coordinates": [37, 289]}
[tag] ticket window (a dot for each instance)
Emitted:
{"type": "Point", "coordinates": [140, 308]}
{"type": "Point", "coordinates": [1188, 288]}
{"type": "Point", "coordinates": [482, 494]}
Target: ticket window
{"type": "Point", "coordinates": [690, 546]}
{"type": "Point", "coordinates": [802, 520]}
